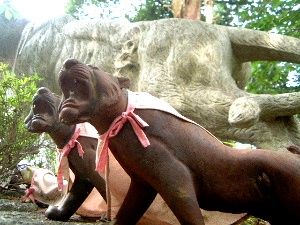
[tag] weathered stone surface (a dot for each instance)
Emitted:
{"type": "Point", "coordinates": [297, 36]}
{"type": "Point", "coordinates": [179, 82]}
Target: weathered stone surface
{"type": "Point", "coordinates": [13, 212]}
{"type": "Point", "coordinates": [199, 68]}
{"type": "Point", "coordinates": [6, 205]}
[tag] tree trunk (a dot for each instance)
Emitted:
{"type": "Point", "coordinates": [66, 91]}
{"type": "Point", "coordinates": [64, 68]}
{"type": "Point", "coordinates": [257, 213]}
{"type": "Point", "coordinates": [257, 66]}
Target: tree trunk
{"type": "Point", "coordinates": [189, 9]}
{"type": "Point", "coordinates": [209, 15]}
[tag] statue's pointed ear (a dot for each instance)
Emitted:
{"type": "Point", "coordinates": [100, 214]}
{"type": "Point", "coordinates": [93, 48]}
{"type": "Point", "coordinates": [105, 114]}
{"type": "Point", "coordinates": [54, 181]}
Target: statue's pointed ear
{"type": "Point", "coordinates": [124, 82]}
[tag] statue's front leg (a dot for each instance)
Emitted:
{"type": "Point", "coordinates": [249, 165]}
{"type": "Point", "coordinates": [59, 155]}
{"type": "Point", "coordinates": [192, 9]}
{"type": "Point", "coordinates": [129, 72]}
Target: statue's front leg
{"type": "Point", "coordinates": [137, 201]}
{"type": "Point", "coordinates": [73, 200]}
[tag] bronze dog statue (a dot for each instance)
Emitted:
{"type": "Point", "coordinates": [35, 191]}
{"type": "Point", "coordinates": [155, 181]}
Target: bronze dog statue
{"type": "Point", "coordinates": [43, 117]}
{"type": "Point", "coordinates": [167, 154]}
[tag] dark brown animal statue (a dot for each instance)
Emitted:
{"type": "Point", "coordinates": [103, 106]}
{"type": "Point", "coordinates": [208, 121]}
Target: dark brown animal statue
{"type": "Point", "coordinates": [43, 117]}
{"type": "Point", "coordinates": [170, 155]}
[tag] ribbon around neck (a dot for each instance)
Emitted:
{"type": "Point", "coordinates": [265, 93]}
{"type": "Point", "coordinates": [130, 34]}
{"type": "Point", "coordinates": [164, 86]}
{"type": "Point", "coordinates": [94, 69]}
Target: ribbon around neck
{"type": "Point", "coordinates": [136, 122]}
{"type": "Point", "coordinates": [63, 168]}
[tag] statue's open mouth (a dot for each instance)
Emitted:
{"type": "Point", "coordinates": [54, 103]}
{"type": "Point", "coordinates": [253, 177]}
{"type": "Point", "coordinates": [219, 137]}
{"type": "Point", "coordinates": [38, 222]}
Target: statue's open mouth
{"type": "Point", "coordinates": [68, 104]}
{"type": "Point", "coordinates": [38, 117]}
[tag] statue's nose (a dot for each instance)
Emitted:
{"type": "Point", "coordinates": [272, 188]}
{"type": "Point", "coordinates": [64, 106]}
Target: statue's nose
{"type": "Point", "coordinates": [69, 63]}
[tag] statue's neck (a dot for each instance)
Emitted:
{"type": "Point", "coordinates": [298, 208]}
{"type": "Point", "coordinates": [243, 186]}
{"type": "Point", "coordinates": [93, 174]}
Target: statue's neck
{"type": "Point", "coordinates": [105, 114]}
{"type": "Point", "coordinates": [62, 135]}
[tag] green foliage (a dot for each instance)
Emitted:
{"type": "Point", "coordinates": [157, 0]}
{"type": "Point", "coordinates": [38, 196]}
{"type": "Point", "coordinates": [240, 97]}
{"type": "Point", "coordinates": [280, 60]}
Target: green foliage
{"type": "Point", "coordinates": [147, 10]}
{"type": "Point", "coordinates": [275, 16]}
{"type": "Point", "coordinates": [46, 157]}
{"type": "Point", "coordinates": [151, 10]}
{"type": "Point", "coordinates": [254, 221]}
{"type": "Point", "coordinates": [267, 15]}
{"type": "Point", "coordinates": [15, 101]}
{"type": "Point", "coordinates": [76, 7]}
{"type": "Point", "coordinates": [227, 11]}
{"type": "Point", "coordinates": [274, 78]}
{"type": "Point", "coordinates": [8, 11]}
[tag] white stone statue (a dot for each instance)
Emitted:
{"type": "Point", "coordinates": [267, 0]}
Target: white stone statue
{"type": "Point", "coordinates": [199, 68]}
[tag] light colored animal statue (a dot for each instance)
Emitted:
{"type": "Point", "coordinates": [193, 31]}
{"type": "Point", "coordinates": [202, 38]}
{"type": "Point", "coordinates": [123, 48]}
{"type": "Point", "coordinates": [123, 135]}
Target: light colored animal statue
{"type": "Point", "coordinates": [199, 68]}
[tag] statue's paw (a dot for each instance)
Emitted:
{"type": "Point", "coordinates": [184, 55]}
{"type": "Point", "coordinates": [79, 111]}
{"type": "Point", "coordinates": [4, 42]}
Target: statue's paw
{"type": "Point", "coordinates": [244, 112]}
{"type": "Point", "coordinates": [53, 213]}
{"type": "Point", "coordinates": [51, 210]}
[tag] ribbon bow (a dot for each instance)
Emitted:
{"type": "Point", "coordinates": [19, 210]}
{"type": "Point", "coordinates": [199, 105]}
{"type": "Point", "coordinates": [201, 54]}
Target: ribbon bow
{"type": "Point", "coordinates": [29, 193]}
{"type": "Point", "coordinates": [63, 168]}
{"type": "Point", "coordinates": [136, 122]}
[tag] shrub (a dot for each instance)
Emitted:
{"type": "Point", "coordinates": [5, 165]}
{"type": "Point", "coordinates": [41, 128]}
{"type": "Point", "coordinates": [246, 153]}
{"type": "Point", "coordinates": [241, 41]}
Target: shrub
{"type": "Point", "coordinates": [15, 101]}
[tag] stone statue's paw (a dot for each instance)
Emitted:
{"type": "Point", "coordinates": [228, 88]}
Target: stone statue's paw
{"type": "Point", "coordinates": [244, 112]}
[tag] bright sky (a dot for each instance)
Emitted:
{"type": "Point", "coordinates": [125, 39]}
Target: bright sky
{"type": "Point", "coordinates": [39, 10]}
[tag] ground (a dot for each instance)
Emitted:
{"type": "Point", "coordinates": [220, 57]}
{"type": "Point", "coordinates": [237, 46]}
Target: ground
{"type": "Point", "coordinates": [14, 212]}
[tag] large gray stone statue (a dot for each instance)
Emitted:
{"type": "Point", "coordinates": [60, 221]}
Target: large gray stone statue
{"type": "Point", "coordinates": [199, 68]}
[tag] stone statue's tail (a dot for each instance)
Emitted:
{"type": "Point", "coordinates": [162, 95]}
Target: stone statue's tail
{"type": "Point", "coordinates": [251, 45]}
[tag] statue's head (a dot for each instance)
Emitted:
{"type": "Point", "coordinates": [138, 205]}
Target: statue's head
{"type": "Point", "coordinates": [43, 115]}
{"type": "Point", "coordinates": [86, 90]}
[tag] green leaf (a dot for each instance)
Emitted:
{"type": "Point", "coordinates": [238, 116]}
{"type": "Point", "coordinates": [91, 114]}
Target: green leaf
{"type": "Point", "coordinates": [8, 14]}
{"type": "Point", "coordinates": [276, 77]}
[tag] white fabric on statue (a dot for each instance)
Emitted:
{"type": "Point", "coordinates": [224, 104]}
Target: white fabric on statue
{"type": "Point", "coordinates": [43, 186]}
